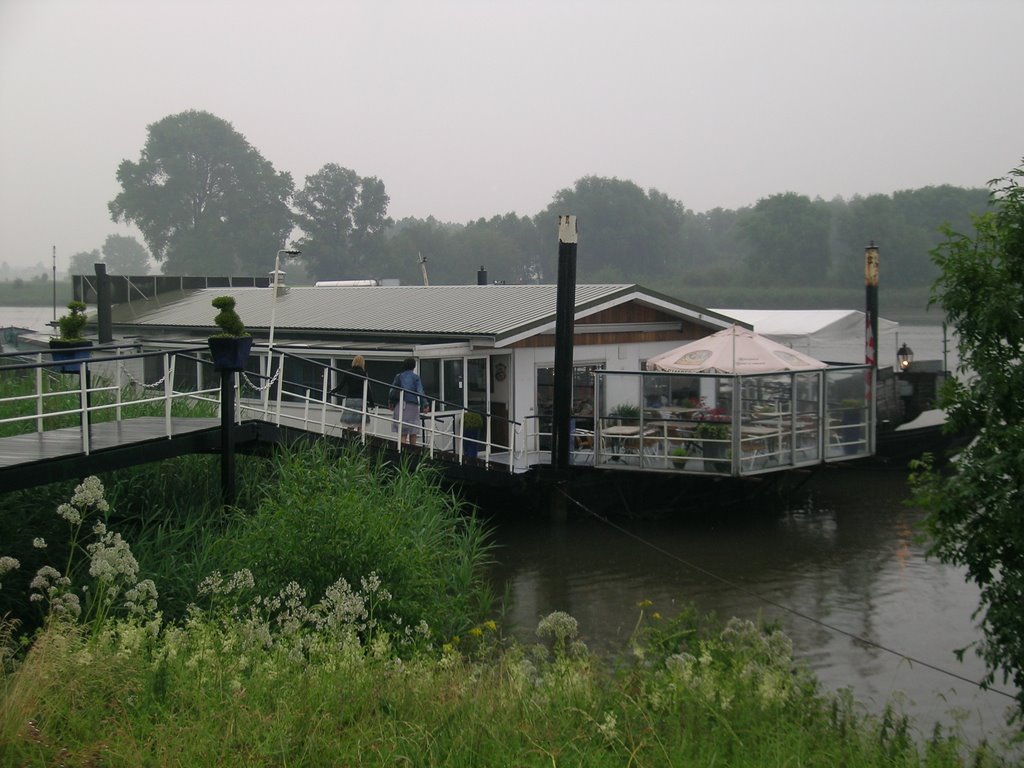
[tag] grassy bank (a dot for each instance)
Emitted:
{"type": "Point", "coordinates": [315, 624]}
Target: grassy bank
{"type": "Point", "coordinates": [34, 293]}
{"type": "Point", "coordinates": [340, 617]}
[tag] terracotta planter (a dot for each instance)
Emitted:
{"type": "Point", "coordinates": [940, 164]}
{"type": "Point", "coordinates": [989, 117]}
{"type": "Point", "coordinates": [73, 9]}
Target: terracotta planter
{"type": "Point", "coordinates": [67, 351]}
{"type": "Point", "coordinates": [230, 353]}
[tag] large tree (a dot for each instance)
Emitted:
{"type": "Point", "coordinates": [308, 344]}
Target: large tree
{"type": "Point", "coordinates": [124, 255]}
{"type": "Point", "coordinates": [343, 217]}
{"type": "Point", "coordinates": [786, 239]}
{"type": "Point", "coordinates": [83, 262]}
{"type": "Point", "coordinates": [206, 201]}
{"type": "Point", "coordinates": [623, 229]}
{"type": "Point", "coordinates": [977, 509]}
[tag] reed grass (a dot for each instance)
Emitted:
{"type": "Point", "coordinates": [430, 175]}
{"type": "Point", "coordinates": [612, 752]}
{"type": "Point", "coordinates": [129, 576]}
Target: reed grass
{"type": "Point", "coordinates": [326, 516]}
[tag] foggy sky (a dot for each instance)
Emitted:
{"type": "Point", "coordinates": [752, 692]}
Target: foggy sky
{"type": "Point", "coordinates": [470, 108]}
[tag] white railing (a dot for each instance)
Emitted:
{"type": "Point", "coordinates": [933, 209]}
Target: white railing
{"type": "Point", "coordinates": [99, 384]}
{"type": "Point", "coordinates": [442, 431]}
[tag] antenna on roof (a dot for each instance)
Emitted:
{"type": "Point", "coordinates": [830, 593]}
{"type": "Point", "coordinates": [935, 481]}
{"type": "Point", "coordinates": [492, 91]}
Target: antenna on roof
{"type": "Point", "coordinates": [423, 267]}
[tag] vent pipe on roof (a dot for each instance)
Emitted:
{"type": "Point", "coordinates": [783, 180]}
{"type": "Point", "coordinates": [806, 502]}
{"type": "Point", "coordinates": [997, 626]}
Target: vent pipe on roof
{"type": "Point", "coordinates": [481, 276]}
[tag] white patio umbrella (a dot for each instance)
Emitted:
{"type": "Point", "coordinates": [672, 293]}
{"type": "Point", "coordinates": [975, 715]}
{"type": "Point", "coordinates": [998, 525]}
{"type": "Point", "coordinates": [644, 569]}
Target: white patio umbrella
{"type": "Point", "coordinates": [733, 350]}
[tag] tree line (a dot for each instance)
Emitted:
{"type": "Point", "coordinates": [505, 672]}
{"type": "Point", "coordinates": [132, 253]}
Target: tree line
{"type": "Point", "coordinates": [207, 202]}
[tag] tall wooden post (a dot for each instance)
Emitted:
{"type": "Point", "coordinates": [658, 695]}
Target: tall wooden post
{"type": "Point", "coordinates": [103, 304]}
{"type": "Point", "coordinates": [871, 305]}
{"type": "Point", "coordinates": [565, 314]}
{"type": "Point", "coordinates": [227, 436]}
{"type": "Point", "coordinates": [871, 269]}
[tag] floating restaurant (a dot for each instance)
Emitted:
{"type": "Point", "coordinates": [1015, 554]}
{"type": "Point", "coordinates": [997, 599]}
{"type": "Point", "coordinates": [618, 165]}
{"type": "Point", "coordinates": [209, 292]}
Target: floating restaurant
{"type": "Point", "coordinates": [490, 349]}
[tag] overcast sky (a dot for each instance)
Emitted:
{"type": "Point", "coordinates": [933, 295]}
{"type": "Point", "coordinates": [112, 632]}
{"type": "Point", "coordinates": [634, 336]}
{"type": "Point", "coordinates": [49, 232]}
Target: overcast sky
{"type": "Point", "coordinates": [475, 108]}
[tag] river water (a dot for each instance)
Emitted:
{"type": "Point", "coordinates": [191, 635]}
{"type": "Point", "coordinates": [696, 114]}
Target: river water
{"type": "Point", "coordinates": [841, 563]}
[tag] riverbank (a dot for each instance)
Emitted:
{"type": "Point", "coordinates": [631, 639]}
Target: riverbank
{"type": "Point", "coordinates": [213, 692]}
{"type": "Point", "coordinates": [287, 664]}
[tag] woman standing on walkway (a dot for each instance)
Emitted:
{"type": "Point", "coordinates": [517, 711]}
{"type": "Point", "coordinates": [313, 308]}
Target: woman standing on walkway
{"type": "Point", "coordinates": [352, 388]}
{"type": "Point", "coordinates": [407, 400]}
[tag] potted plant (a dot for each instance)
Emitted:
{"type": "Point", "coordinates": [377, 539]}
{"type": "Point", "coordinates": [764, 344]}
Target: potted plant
{"type": "Point", "coordinates": [625, 413]}
{"type": "Point", "coordinates": [230, 348]}
{"type": "Point", "coordinates": [679, 457]}
{"type": "Point", "coordinates": [71, 345]}
{"type": "Point", "coordinates": [472, 424]}
{"type": "Point", "coordinates": [715, 449]}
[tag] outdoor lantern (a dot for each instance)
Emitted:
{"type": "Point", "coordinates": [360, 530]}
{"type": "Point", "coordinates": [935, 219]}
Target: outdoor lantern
{"type": "Point", "coordinates": [905, 356]}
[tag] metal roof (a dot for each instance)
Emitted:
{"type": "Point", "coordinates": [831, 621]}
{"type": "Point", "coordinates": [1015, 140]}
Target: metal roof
{"type": "Point", "coordinates": [462, 311]}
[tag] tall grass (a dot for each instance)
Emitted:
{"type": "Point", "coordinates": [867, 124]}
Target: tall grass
{"type": "Point", "coordinates": [206, 693]}
{"type": "Point", "coordinates": [326, 516]}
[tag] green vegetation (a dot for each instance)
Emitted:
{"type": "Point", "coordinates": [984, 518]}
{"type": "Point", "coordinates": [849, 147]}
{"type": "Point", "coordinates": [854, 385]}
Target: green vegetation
{"type": "Point", "coordinates": [33, 293]}
{"type": "Point", "coordinates": [72, 323]}
{"type": "Point", "coordinates": [263, 668]}
{"type": "Point", "coordinates": [711, 430]}
{"type": "Point", "coordinates": [227, 319]}
{"type": "Point", "coordinates": [324, 518]}
{"type": "Point", "coordinates": [975, 519]}
{"type": "Point", "coordinates": [629, 234]}
{"type": "Point", "coordinates": [625, 411]}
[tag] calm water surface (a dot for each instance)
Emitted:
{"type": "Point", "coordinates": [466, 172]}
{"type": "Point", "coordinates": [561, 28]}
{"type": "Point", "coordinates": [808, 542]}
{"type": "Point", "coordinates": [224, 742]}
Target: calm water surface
{"type": "Point", "coordinates": [844, 552]}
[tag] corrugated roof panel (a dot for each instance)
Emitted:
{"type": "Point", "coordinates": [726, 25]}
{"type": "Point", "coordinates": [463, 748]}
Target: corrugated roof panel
{"type": "Point", "coordinates": [457, 310]}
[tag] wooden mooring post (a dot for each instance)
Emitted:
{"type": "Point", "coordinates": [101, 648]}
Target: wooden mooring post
{"type": "Point", "coordinates": [227, 437]}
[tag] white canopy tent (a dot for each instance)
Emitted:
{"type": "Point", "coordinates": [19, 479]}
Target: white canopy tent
{"type": "Point", "coordinates": [733, 350]}
{"type": "Point", "coordinates": [834, 335]}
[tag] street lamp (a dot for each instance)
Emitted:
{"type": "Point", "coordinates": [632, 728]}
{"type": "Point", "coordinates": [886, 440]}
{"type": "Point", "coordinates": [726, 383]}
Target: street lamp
{"type": "Point", "coordinates": [273, 301]}
{"type": "Point", "coordinates": [905, 356]}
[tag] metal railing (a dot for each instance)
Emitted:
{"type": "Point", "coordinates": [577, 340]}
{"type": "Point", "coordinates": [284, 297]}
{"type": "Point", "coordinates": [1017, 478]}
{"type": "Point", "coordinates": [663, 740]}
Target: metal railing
{"type": "Point", "coordinates": [102, 389]}
{"type": "Point", "coordinates": [103, 385]}
{"type": "Point", "coordinates": [442, 430]}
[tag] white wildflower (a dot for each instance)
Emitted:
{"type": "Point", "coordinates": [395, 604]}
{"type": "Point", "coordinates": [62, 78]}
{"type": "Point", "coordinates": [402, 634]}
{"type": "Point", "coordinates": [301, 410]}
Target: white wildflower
{"type": "Point", "coordinates": [372, 588]}
{"type": "Point", "coordinates": [140, 600]}
{"type": "Point", "coordinates": [90, 494]}
{"type": "Point", "coordinates": [70, 514]}
{"type": "Point", "coordinates": [8, 564]}
{"type": "Point", "coordinates": [559, 625]}
{"type": "Point", "coordinates": [66, 605]}
{"type": "Point", "coordinates": [39, 542]}
{"type": "Point", "coordinates": [112, 561]}
{"type": "Point", "coordinates": [609, 728]}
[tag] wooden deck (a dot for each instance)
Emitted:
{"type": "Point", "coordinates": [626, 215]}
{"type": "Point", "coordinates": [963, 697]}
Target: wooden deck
{"type": "Point", "coordinates": [59, 454]}
{"type": "Point", "coordinates": [39, 458]}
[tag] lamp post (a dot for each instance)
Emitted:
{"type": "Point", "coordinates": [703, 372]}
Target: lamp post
{"type": "Point", "coordinates": [905, 356]}
{"type": "Point", "coordinates": [273, 300]}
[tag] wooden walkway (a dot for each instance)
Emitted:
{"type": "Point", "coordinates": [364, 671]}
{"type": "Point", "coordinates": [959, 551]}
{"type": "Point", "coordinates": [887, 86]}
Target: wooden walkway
{"type": "Point", "coordinates": [40, 458]}
{"type": "Point", "coordinates": [59, 454]}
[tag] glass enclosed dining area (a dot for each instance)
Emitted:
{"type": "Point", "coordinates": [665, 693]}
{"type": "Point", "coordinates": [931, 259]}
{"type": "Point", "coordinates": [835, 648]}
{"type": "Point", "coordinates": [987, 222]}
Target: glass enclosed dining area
{"type": "Point", "coordinates": [731, 424]}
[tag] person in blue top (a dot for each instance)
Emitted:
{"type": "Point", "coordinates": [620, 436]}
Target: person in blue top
{"type": "Point", "coordinates": [407, 400]}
